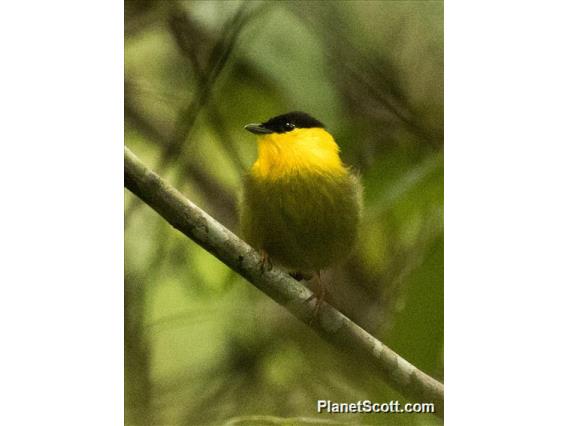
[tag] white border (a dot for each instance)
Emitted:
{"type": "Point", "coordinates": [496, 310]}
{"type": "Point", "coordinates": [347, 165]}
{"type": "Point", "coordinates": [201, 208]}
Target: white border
{"type": "Point", "coordinates": [506, 192]}
{"type": "Point", "coordinates": [61, 297]}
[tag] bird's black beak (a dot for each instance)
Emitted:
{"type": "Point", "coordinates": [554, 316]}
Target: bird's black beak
{"type": "Point", "coordinates": [257, 129]}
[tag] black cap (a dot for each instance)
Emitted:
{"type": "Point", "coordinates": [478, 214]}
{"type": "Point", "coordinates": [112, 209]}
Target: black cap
{"type": "Point", "coordinates": [285, 123]}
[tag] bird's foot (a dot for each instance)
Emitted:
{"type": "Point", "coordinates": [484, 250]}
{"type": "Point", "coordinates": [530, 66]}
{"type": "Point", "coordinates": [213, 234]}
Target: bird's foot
{"type": "Point", "coordinates": [319, 295]}
{"type": "Point", "coordinates": [265, 263]}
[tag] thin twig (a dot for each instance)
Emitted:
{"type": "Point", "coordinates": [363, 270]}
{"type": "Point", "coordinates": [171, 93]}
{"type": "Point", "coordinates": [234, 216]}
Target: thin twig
{"type": "Point", "coordinates": [219, 57]}
{"type": "Point", "coordinates": [183, 29]}
{"type": "Point", "coordinates": [331, 324]}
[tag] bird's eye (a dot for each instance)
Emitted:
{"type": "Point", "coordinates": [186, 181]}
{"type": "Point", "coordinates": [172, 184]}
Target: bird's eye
{"type": "Point", "coordinates": [289, 126]}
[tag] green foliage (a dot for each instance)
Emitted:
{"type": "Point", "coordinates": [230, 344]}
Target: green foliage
{"type": "Point", "coordinates": [201, 345]}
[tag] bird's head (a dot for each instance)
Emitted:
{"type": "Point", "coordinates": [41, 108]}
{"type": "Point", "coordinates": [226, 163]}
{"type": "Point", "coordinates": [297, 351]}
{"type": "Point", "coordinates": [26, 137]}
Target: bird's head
{"type": "Point", "coordinates": [294, 141]}
{"type": "Point", "coordinates": [285, 123]}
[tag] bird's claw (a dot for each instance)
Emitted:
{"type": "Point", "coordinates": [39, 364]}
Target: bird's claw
{"type": "Point", "coordinates": [265, 263]}
{"type": "Point", "coordinates": [319, 295]}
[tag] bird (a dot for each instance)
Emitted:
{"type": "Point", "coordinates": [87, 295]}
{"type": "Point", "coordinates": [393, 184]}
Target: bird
{"type": "Point", "coordinates": [300, 205]}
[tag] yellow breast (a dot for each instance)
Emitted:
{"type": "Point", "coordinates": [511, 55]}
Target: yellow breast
{"type": "Point", "coordinates": [299, 151]}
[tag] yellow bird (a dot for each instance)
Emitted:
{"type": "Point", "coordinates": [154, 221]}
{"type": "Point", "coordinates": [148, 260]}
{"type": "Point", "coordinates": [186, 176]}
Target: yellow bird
{"type": "Point", "coordinates": [301, 204]}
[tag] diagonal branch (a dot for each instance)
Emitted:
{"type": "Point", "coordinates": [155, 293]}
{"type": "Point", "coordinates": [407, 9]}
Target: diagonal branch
{"type": "Point", "coordinates": [330, 324]}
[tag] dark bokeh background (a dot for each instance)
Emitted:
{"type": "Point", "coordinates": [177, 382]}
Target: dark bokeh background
{"type": "Point", "coordinates": [202, 345]}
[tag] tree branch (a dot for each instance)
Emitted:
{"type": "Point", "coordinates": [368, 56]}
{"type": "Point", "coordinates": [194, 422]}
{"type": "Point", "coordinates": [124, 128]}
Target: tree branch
{"type": "Point", "coordinates": [330, 324]}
